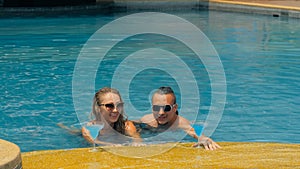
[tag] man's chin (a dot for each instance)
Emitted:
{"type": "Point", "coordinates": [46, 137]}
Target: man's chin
{"type": "Point", "coordinates": [162, 122]}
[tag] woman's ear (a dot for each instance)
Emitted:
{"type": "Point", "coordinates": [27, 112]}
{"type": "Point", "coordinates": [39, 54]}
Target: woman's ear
{"type": "Point", "coordinates": [97, 108]}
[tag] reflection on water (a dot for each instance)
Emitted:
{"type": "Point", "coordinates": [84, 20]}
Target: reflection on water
{"type": "Point", "coordinates": [260, 55]}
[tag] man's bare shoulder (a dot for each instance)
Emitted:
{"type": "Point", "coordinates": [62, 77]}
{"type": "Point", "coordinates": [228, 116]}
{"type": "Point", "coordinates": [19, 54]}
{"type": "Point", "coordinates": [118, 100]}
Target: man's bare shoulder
{"type": "Point", "coordinates": [149, 119]}
{"type": "Point", "coordinates": [183, 120]}
{"type": "Point", "coordinates": [184, 123]}
{"type": "Point", "coordinates": [146, 118]}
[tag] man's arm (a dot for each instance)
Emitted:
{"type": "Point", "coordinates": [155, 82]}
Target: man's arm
{"type": "Point", "coordinates": [207, 142]}
{"type": "Point", "coordinates": [185, 125]}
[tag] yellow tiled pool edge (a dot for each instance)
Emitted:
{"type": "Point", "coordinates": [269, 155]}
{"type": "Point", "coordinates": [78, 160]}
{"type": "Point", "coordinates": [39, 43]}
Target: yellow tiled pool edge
{"type": "Point", "coordinates": [232, 155]}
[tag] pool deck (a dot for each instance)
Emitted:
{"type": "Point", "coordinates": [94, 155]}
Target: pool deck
{"type": "Point", "coordinates": [10, 155]}
{"type": "Point", "coordinates": [282, 4]}
{"type": "Point", "coordinates": [288, 8]}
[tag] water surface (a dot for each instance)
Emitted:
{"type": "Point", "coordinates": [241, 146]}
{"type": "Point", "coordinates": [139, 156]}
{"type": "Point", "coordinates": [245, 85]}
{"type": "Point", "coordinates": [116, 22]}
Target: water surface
{"type": "Point", "coordinates": [260, 56]}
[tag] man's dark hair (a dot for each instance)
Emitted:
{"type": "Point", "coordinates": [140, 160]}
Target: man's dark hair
{"type": "Point", "coordinates": [166, 90]}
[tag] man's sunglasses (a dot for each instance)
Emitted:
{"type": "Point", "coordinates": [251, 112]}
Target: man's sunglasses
{"type": "Point", "coordinates": [166, 108]}
{"type": "Point", "coordinates": [111, 106]}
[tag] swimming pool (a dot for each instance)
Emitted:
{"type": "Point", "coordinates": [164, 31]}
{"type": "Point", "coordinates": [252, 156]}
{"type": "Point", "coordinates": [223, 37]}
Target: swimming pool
{"type": "Point", "coordinates": [260, 56]}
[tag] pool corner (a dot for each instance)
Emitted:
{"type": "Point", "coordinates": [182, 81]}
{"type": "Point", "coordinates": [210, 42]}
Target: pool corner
{"type": "Point", "coordinates": [10, 155]}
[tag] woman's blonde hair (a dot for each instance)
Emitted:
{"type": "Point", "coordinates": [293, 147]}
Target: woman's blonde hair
{"type": "Point", "coordinates": [119, 125]}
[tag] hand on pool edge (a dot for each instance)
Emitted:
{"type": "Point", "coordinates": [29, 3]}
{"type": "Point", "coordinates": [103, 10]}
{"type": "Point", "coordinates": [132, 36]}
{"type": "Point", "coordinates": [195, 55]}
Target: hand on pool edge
{"type": "Point", "coordinates": [207, 143]}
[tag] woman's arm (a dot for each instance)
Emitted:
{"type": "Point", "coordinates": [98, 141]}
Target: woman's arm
{"type": "Point", "coordinates": [131, 131]}
{"type": "Point", "coordinates": [87, 136]}
{"type": "Point", "coordinates": [71, 130]}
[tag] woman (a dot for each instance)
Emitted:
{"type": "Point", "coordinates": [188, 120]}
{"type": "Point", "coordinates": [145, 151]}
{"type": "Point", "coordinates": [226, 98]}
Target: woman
{"type": "Point", "coordinates": [108, 108]}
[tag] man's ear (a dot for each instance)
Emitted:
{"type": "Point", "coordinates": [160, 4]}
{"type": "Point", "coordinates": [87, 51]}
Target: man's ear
{"type": "Point", "coordinates": [175, 106]}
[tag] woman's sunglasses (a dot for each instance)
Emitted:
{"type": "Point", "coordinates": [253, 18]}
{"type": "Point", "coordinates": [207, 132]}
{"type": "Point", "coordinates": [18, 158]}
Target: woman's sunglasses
{"type": "Point", "coordinates": [166, 108]}
{"type": "Point", "coordinates": [111, 106]}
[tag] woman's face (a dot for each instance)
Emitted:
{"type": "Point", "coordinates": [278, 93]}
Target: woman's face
{"type": "Point", "coordinates": [111, 107]}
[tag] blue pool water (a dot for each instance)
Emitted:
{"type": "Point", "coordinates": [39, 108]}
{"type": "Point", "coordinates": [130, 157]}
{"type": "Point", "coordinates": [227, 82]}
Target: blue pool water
{"type": "Point", "coordinates": [260, 56]}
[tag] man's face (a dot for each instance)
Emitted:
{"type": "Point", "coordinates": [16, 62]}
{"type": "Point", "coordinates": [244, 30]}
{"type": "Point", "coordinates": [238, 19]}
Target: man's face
{"type": "Point", "coordinates": [163, 108]}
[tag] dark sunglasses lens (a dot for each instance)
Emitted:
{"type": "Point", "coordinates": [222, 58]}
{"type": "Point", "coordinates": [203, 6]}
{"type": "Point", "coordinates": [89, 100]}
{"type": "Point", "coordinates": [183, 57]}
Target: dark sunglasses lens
{"type": "Point", "coordinates": [110, 106]}
{"type": "Point", "coordinates": [167, 108]}
{"type": "Point", "coordinates": [156, 108]}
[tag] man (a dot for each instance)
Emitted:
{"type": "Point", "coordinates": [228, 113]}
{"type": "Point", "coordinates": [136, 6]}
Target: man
{"type": "Point", "coordinates": [165, 116]}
